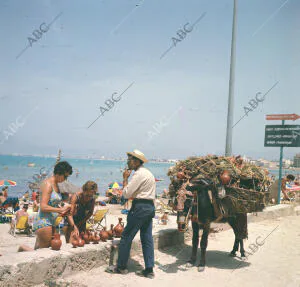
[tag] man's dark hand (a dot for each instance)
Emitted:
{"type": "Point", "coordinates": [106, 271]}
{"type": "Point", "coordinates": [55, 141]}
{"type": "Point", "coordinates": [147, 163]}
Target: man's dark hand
{"type": "Point", "coordinates": [126, 174]}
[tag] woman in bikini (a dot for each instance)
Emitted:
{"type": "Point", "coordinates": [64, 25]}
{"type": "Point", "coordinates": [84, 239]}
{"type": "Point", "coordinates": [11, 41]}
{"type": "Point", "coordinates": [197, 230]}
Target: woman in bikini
{"type": "Point", "coordinates": [50, 207]}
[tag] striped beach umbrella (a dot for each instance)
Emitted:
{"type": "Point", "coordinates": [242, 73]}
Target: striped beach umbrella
{"type": "Point", "coordinates": [7, 183]}
{"type": "Point", "coordinates": [293, 187]}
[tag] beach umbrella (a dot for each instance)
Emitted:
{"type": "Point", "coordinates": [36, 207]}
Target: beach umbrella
{"type": "Point", "coordinates": [293, 187]}
{"type": "Point", "coordinates": [117, 185]}
{"type": "Point", "coordinates": [7, 183]}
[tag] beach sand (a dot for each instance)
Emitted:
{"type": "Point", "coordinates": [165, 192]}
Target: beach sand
{"type": "Point", "coordinates": [275, 263]}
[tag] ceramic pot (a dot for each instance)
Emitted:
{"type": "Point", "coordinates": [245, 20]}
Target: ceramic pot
{"type": "Point", "coordinates": [80, 242]}
{"type": "Point", "coordinates": [164, 219]}
{"type": "Point", "coordinates": [56, 242]}
{"type": "Point", "coordinates": [96, 238]}
{"type": "Point", "coordinates": [104, 234]}
{"type": "Point", "coordinates": [180, 175]}
{"type": "Point", "coordinates": [75, 242]}
{"type": "Point", "coordinates": [91, 236]}
{"type": "Point", "coordinates": [225, 177]}
{"type": "Point", "coordinates": [111, 232]}
{"type": "Point", "coordinates": [86, 238]}
{"type": "Point", "coordinates": [118, 230]}
{"type": "Point", "coordinates": [194, 218]}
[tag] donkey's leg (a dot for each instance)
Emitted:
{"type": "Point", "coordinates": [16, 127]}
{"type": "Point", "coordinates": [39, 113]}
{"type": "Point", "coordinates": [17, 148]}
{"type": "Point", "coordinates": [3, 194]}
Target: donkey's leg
{"type": "Point", "coordinates": [242, 250]}
{"type": "Point", "coordinates": [232, 222]}
{"type": "Point", "coordinates": [195, 243]}
{"type": "Point", "coordinates": [235, 247]}
{"type": "Point", "coordinates": [203, 245]}
{"type": "Point", "coordinates": [242, 230]}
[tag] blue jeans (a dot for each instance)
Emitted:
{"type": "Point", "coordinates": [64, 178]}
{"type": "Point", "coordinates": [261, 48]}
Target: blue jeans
{"type": "Point", "coordinates": [139, 218]}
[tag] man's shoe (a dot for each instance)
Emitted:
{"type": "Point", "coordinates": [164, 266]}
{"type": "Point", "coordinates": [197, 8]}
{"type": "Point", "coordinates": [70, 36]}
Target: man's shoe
{"type": "Point", "coordinates": [145, 273]}
{"type": "Point", "coordinates": [116, 270]}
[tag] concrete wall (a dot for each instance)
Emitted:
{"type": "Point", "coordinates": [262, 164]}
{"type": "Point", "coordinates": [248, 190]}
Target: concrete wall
{"type": "Point", "coordinates": [32, 268]}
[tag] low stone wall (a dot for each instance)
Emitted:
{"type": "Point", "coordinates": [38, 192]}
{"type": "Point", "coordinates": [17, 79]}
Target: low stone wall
{"type": "Point", "coordinates": [272, 212]}
{"type": "Point", "coordinates": [39, 269]}
{"type": "Point", "coordinates": [33, 268]}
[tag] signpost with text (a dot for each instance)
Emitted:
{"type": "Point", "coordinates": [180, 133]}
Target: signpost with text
{"type": "Point", "coordinates": [280, 136]}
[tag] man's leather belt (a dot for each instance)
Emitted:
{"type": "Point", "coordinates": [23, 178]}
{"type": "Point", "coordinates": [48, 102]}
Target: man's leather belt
{"type": "Point", "coordinates": [140, 200]}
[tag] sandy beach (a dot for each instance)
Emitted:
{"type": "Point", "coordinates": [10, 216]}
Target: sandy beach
{"type": "Point", "coordinates": [275, 264]}
{"type": "Point", "coordinates": [276, 261]}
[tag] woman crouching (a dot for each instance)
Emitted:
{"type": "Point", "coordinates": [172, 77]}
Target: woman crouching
{"type": "Point", "coordinates": [82, 208]}
{"type": "Point", "coordinates": [51, 207]}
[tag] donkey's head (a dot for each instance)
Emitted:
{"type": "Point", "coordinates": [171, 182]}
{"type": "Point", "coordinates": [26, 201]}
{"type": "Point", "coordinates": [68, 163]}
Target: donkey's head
{"type": "Point", "coordinates": [194, 191]}
{"type": "Point", "coordinates": [202, 189]}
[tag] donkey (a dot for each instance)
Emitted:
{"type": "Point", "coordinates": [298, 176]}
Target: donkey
{"type": "Point", "coordinates": [203, 214]}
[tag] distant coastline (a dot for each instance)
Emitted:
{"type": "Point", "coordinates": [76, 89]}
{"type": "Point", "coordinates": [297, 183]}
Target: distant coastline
{"type": "Point", "coordinates": [164, 161]}
{"type": "Point", "coordinates": [286, 168]}
{"type": "Point", "coordinates": [119, 159]}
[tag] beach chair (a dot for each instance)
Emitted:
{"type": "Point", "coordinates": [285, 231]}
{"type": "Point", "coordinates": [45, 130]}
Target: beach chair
{"type": "Point", "coordinates": [6, 218]}
{"type": "Point", "coordinates": [9, 206]}
{"type": "Point", "coordinates": [95, 222]}
{"type": "Point", "coordinates": [57, 223]}
{"type": "Point", "coordinates": [22, 226]}
{"type": "Point", "coordinates": [162, 207]}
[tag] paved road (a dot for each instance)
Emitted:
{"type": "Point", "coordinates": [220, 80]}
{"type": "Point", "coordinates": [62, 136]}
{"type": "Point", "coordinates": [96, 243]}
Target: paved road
{"type": "Point", "coordinates": [275, 263]}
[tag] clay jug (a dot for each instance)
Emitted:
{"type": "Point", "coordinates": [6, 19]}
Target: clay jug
{"type": "Point", "coordinates": [164, 219]}
{"type": "Point", "coordinates": [104, 234]}
{"type": "Point", "coordinates": [91, 236]}
{"type": "Point", "coordinates": [86, 238]}
{"type": "Point", "coordinates": [194, 218]}
{"type": "Point", "coordinates": [180, 175]}
{"type": "Point", "coordinates": [80, 242]}
{"type": "Point", "coordinates": [225, 177]}
{"type": "Point", "coordinates": [81, 235]}
{"type": "Point", "coordinates": [75, 242]}
{"type": "Point", "coordinates": [111, 232]}
{"type": "Point", "coordinates": [56, 242]}
{"type": "Point", "coordinates": [96, 238]}
{"type": "Point", "coordinates": [119, 228]}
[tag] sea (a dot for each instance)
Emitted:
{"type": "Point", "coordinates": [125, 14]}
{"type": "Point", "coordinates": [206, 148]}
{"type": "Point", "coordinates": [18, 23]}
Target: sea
{"type": "Point", "coordinates": [103, 172]}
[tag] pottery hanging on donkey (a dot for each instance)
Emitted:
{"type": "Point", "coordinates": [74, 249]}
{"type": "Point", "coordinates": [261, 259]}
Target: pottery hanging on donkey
{"type": "Point", "coordinates": [198, 200]}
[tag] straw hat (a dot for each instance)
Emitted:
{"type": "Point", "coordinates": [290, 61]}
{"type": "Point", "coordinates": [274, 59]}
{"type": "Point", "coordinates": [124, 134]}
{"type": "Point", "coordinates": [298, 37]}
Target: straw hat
{"type": "Point", "coordinates": [138, 154]}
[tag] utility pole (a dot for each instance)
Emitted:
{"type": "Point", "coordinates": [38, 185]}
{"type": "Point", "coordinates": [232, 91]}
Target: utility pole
{"type": "Point", "coordinates": [228, 148]}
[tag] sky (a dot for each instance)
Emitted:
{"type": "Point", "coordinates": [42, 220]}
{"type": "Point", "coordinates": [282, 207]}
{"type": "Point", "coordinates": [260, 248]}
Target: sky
{"type": "Point", "coordinates": [173, 106]}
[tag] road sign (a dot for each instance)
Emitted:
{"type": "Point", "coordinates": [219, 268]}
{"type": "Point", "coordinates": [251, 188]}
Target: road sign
{"type": "Point", "coordinates": [282, 135]}
{"type": "Point", "coordinates": [282, 117]}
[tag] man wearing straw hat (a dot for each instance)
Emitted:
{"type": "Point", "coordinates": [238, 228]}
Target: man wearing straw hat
{"type": "Point", "coordinates": [142, 189]}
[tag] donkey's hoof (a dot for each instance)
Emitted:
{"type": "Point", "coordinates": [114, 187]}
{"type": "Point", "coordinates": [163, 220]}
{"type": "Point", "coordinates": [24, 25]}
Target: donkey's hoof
{"type": "Point", "coordinates": [232, 254]}
{"type": "Point", "coordinates": [201, 268]}
{"type": "Point", "coordinates": [243, 254]}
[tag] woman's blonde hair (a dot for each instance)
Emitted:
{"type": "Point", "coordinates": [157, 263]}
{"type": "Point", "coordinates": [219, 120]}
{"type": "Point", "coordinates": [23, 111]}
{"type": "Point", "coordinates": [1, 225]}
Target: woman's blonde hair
{"type": "Point", "coordinates": [90, 185]}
